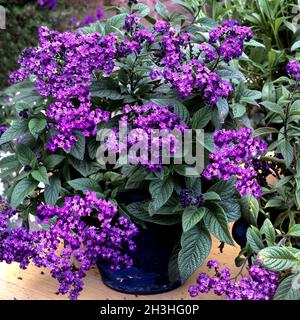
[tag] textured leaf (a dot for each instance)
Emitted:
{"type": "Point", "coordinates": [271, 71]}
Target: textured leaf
{"type": "Point", "coordinates": [41, 175]}
{"type": "Point", "coordinates": [254, 239]}
{"type": "Point", "coordinates": [279, 258]}
{"type": "Point", "coordinates": [161, 191]}
{"type": "Point", "coordinates": [286, 289]}
{"type": "Point", "coordinates": [36, 126]}
{"type": "Point", "coordinates": [138, 211]}
{"type": "Point", "coordinates": [17, 129]}
{"type": "Point", "coordinates": [22, 189]}
{"type": "Point", "coordinates": [201, 118]}
{"type": "Point", "coordinates": [52, 190]}
{"type": "Point", "coordinates": [216, 222]}
{"type": "Point", "coordinates": [83, 184]}
{"type": "Point", "coordinates": [268, 230]}
{"type": "Point", "coordinates": [78, 149]}
{"type": "Point", "coordinates": [53, 160]}
{"type": "Point", "coordinates": [195, 248]}
{"type": "Point", "coordinates": [191, 217]}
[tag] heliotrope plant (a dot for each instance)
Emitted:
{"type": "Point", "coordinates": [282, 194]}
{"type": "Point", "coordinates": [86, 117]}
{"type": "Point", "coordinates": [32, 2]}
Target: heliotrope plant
{"type": "Point", "coordinates": [274, 224]}
{"type": "Point", "coordinates": [171, 75]}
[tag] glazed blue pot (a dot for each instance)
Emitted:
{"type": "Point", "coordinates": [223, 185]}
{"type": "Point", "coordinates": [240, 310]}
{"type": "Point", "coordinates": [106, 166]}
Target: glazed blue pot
{"type": "Point", "coordinates": [149, 273]}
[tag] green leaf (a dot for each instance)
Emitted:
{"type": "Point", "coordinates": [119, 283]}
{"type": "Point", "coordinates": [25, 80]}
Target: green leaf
{"type": "Point", "coordinates": [262, 131]}
{"type": "Point", "coordinates": [209, 142]}
{"type": "Point", "coordinates": [286, 289]}
{"type": "Point", "coordinates": [223, 109]}
{"type": "Point", "coordinates": [161, 10]}
{"type": "Point", "coordinates": [53, 160]}
{"type": "Point", "coordinates": [211, 196]}
{"type": "Point", "coordinates": [25, 155]}
{"type": "Point", "coordinates": [287, 152]}
{"type": "Point", "coordinates": [106, 88]}
{"type": "Point", "coordinates": [41, 175]}
{"type": "Point", "coordinates": [201, 118]}
{"type": "Point", "coordinates": [78, 149]}
{"type": "Point", "coordinates": [142, 9]}
{"type": "Point", "coordinates": [216, 222]}
{"type": "Point", "coordinates": [36, 126]}
{"type": "Point", "coordinates": [135, 178]}
{"type": "Point", "coordinates": [24, 92]}
{"type": "Point", "coordinates": [268, 230]}
{"type": "Point", "coordinates": [83, 184]}
{"type": "Point", "coordinates": [85, 167]}
{"type": "Point", "coordinates": [115, 22]}
{"type": "Point", "coordinates": [294, 231]}
{"type": "Point", "coordinates": [274, 107]}
{"type": "Point", "coordinates": [22, 189]}
{"type": "Point", "coordinates": [161, 191]}
{"type": "Point", "coordinates": [254, 43]}
{"type": "Point", "coordinates": [279, 258]}
{"type": "Point", "coordinates": [52, 190]}
{"type": "Point", "coordinates": [238, 110]}
{"type": "Point", "coordinates": [138, 211]}
{"type": "Point", "coordinates": [17, 129]}
{"type": "Point", "coordinates": [195, 248]}
{"type": "Point", "coordinates": [254, 239]}
{"type": "Point", "coordinates": [250, 96]}
{"type": "Point", "coordinates": [191, 216]}
{"type": "Point", "coordinates": [295, 46]}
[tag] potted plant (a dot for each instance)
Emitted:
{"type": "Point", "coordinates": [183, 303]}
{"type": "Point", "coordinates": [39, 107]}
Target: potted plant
{"type": "Point", "coordinates": [146, 223]}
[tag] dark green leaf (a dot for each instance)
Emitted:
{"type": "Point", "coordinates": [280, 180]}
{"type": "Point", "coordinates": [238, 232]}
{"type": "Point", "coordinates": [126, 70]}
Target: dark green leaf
{"type": "Point", "coordinates": [40, 175]}
{"type": "Point", "coordinates": [17, 129]}
{"type": "Point", "coordinates": [195, 247]}
{"type": "Point", "coordinates": [22, 189]}
{"type": "Point", "coordinates": [52, 190]}
{"type": "Point", "coordinates": [191, 217]}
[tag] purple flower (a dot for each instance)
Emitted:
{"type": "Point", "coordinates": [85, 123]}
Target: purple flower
{"type": "Point", "coordinates": [190, 198]}
{"type": "Point", "coordinates": [261, 284]}
{"type": "Point", "coordinates": [230, 37]}
{"type": "Point", "coordinates": [161, 26]}
{"type": "Point", "coordinates": [83, 243]}
{"type": "Point", "coordinates": [63, 65]}
{"type": "Point", "coordinates": [131, 21]}
{"type": "Point", "coordinates": [293, 69]}
{"type": "Point", "coordinates": [235, 153]}
{"type": "Point", "coordinates": [141, 120]}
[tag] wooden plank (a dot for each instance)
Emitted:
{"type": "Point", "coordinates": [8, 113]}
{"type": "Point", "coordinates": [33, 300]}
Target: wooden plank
{"type": "Point", "coordinates": [30, 284]}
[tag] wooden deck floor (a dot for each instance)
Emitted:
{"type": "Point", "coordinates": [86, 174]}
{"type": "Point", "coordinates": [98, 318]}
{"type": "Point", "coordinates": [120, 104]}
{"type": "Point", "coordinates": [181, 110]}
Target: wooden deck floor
{"type": "Point", "coordinates": [31, 284]}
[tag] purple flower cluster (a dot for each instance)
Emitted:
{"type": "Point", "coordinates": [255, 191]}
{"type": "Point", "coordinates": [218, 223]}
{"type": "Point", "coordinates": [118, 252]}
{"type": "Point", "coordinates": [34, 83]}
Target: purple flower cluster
{"type": "Point", "coordinates": [83, 246]}
{"type": "Point", "coordinates": [261, 284]}
{"type": "Point", "coordinates": [50, 4]}
{"type": "Point", "coordinates": [136, 38]}
{"type": "Point", "coordinates": [235, 153]}
{"type": "Point", "coordinates": [293, 69]}
{"type": "Point", "coordinates": [186, 76]}
{"type": "Point", "coordinates": [153, 127]}
{"type": "Point", "coordinates": [132, 21]}
{"type": "Point", "coordinates": [189, 198]}
{"type": "Point", "coordinates": [89, 19]}
{"type": "Point", "coordinates": [63, 65]}
{"type": "Point", "coordinates": [230, 38]}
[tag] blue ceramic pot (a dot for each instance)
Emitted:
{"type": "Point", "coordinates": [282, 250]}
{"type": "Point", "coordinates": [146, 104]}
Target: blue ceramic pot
{"type": "Point", "coordinates": [149, 273]}
{"type": "Point", "coordinates": [239, 232]}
